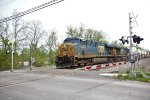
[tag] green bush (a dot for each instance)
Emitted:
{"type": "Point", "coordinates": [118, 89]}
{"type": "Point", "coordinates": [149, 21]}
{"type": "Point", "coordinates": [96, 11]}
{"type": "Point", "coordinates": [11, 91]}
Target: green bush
{"type": "Point", "coordinates": [139, 75]}
{"type": "Point", "coordinates": [38, 64]}
{"type": "Point", "coordinates": [148, 73]}
{"type": "Point", "coordinates": [143, 79]}
{"type": "Point", "coordinates": [128, 71]}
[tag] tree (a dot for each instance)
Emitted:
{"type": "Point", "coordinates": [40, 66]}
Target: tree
{"type": "Point", "coordinates": [35, 33]}
{"type": "Point", "coordinates": [117, 43]}
{"type": "Point", "coordinates": [52, 45]}
{"type": "Point", "coordinates": [25, 55]}
{"type": "Point", "coordinates": [4, 33]}
{"type": "Point", "coordinates": [89, 34]}
{"type": "Point", "coordinates": [94, 35]}
{"type": "Point", "coordinates": [34, 36]}
{"type": "Point", "coordinates": [40, 57]}
{"type": "Point", "coordinates": [76, 32]}
{"type": "Point", "coordinates": [71, 31]}
{"type": "Point", "coordinates": [19, 29]}
{"type": "Point", "coordinates": [5, 58]}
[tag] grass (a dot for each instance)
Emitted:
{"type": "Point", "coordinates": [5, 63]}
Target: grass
{"type": "Point", "coordinates": [140, 76]}
{"type": "Point", "coordinates": [148, 73]}
{"type": "Point", "coordinates": [142, 73]}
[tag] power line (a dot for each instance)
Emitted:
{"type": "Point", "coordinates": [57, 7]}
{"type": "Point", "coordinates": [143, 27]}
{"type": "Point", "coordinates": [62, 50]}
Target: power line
{"type": "Point", "coordinates": [47, 4]}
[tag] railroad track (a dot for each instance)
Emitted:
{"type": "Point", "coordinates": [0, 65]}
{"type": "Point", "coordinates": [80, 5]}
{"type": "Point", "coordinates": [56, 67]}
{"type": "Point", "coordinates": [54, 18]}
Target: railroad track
{"type": "Point", "coordinates": [107, 67]}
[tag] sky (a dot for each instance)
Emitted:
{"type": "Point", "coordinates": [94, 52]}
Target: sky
{"type": "Point", "coordinates": [110, 16]}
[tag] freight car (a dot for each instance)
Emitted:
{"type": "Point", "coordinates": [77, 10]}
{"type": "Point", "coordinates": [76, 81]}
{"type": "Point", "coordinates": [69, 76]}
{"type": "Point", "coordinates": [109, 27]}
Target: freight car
{"type": "Point", "coordinates": [142, 52]}
{"type": "Point", "coordinates": [76, 51]}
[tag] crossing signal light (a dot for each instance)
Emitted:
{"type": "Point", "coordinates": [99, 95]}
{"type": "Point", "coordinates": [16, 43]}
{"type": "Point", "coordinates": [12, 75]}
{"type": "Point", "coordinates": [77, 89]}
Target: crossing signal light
{"type": "Point", "coordinates": [123, 40]}
{"type": "Point", "coordinates": [127, 41]}
{"type": "Point", "coordinates": [137, 39]}
{"type": "Point", "coordinates": [7, 52]}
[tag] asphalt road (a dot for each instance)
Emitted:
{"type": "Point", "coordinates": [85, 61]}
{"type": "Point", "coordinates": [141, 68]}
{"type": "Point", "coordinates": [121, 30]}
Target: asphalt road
{"type": "Point", "coordinates": [73, 85]}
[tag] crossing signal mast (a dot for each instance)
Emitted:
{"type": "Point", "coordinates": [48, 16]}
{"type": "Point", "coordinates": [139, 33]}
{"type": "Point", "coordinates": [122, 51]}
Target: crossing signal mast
{"type": "Point", "coordinates": [136, 39]}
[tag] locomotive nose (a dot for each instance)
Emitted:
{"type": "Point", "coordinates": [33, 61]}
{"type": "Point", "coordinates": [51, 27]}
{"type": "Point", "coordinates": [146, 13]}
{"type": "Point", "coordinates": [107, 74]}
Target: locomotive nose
{"type": "Point", "coordinates": [66, 49]}
{"type": "Point", "coordinates": [65, 55]}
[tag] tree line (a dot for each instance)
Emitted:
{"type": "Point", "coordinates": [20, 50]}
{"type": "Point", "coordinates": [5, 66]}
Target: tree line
{"type": "Point", "coordinates": [31, 39]}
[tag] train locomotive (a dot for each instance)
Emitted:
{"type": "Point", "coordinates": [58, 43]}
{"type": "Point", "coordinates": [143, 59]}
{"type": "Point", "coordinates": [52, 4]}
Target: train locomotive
{"type": "Point", "coordinates": [75, 51]}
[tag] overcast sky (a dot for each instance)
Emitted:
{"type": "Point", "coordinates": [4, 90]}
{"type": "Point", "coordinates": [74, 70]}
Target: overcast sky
{"type": "Point", "coordinates": [111, 16]}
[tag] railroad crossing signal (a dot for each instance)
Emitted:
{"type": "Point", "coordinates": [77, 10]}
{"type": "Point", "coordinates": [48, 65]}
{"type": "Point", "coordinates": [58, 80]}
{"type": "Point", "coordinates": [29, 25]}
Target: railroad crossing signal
{"type": "Point", "coordinates": [137, 39]}
{"type": "Point", "coordinates": [124, 40]}
{"type": "Point", "coordinates": [7, 51]}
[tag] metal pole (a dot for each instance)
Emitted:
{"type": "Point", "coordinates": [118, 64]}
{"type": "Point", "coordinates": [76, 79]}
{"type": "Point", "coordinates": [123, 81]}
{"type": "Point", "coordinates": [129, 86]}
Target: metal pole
{"type": "Point", "coordinates": [130, 32]}
{"type": "Point", "coordinates": [12, 67]}
{"type": "Point", "coordinates": [137, 56]}
{"type": "Point", "coordinates": [31, 63]}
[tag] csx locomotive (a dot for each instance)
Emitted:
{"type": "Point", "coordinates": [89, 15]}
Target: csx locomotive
{"type": "Point", "coordinates": [76, 51]}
